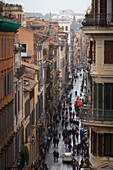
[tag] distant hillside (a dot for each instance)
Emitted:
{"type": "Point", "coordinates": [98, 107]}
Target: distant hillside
{"type": "Point", "coordinates": [32, 14]}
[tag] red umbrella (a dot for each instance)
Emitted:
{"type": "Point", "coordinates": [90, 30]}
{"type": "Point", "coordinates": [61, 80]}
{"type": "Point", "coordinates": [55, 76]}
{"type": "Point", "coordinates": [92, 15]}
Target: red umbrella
{"type": "Point", "coordinates": [78, 102]}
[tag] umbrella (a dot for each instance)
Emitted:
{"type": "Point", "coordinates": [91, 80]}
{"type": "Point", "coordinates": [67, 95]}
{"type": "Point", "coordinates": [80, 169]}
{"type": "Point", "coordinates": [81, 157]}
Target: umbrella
{"type": "Point", "coordinates": [78, 102]}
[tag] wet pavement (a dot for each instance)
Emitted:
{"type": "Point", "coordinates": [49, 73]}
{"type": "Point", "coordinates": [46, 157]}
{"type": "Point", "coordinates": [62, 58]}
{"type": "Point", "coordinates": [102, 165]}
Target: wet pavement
{"type": "Point", "coordinates": [54, 165]}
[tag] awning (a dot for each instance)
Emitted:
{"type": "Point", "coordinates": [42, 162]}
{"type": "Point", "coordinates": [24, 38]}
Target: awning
{"type": "Point", "coordinates": [6, 26]}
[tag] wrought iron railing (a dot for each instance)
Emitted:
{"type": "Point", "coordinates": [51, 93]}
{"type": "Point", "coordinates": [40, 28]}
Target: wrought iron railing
{"type": "Point", "coordinates": [98, 20]}
{"type": "Point", "coordinates": [89, 114]}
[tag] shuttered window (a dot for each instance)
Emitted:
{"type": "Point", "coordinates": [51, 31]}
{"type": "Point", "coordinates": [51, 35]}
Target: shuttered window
{"type": "Point", "coordinates": [6, 85]}
{"type": "Point", "coordinates": [10, 83]}
{"type": "Point", "coordinates": [10, 117]}
{"type": "Point", "coordinates": [27, 132]}
{"type": "Point", "coordinates": [95, 95]}
{"type": "Point", "coordinates": [108, 96]}
{"type": "Point", "coordinates": [108, 144]}
{"type": "Point", "coordinates": [93, 143]}
{"type": "Point", "coordinates": [100, 95]}
{"type": "Point", "coordinates": [27, 108]}
{"type": "Point", "coordinates": [94, 51]}
{"type": "Point", "coordinates": [32, 118]}
{"type": "Point", "coordinates": [108, 52]}
{"type": "Point", "coordinates": [100, 144]}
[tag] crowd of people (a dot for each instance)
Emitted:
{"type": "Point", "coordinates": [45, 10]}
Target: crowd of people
{"type": "Point", "coordinates": [75, 138]}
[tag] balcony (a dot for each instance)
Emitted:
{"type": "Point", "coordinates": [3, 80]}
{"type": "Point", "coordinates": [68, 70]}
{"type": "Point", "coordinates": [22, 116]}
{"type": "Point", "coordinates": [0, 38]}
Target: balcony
{"type": "Point", "coordinates": [104, 20]}
{"type": "Point", "coordinates": [92, 115]}
{"type": "Point", "coordinates": [20, 71]}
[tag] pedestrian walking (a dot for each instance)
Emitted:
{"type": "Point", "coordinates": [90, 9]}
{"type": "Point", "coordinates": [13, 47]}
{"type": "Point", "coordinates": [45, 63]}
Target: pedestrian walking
{"type": "Point", "coordinates": [69, 147]}
{"type": "Point", "coordinates": [74, 164]}
{"type": "Point", "coordinates": [54, 141]}
{"type": "Point", "coordinates": [57, 141]}
{"type": "Point", "coordinates": [57, 155]}
{"type": "Point", "coordinates": [54, 155]}
{"type": "Point", "coordinates": [59, 133]}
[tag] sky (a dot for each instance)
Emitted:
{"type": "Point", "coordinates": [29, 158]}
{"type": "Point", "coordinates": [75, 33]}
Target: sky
{"type": "Point", "coordinates": [54, 6]}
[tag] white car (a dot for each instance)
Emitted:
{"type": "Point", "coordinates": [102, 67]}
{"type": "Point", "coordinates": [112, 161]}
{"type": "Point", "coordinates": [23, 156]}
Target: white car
{"type": "Point", "coordinates": [67, 157]}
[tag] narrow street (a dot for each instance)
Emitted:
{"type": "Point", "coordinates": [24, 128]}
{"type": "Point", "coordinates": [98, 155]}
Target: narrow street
{"type": "Point", "coordinates": [54, 165]}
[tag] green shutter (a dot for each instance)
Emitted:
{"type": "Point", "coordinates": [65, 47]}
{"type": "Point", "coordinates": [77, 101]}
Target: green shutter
{"type": "Point", "coordinates": [104, 96]}
{"type": "Point", "coordinates": [100, 98]}
{"type": "Point", "coordinates": [95, 97]}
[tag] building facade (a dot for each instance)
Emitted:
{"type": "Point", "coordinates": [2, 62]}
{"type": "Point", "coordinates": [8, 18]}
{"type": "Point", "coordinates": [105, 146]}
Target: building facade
{"type": "Point", "coordinates": [98, 26]}
{"type": "Point", "coordinates": [7, 36]}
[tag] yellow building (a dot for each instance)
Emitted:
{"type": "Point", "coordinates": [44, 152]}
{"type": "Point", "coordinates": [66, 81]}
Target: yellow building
{"type": "Point", "coordinates": [98, 25]}
{"type": "Point", "coordinates": [30, 112]}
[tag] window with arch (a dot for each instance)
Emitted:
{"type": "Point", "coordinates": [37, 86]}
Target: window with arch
{"type": "Point", "coordinates": [62, 27]}
{"type": "Point", "coordinates": [66, 28]}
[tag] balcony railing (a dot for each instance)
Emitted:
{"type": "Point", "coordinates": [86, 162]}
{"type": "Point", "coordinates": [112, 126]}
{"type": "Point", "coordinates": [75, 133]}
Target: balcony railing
{"type": "Point", "coordinates": [98, 20]}
{"type": "Point", "coordinates": [20, 71]}
{"type": "Point", "coordinates": [89, 114]}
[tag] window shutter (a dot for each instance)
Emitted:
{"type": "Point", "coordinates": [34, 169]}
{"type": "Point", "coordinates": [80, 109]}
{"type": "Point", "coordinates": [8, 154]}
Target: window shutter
{"type": "Point", "coordinates": [100, 144]}
{"type": "Point", "coordinates": [100, 97]}
{"type": "Point", "coordinates": [104, 96]}
{"type": "Point", "coordinates": [94, 51]}
{"type": "Point", "coordinates": [11, 84]}
{"type": "Point", "coordinates": [95, 96]}
{"type": "Point", "coordinates": [27, 108]}
{"type": "Point", "coordinates": [8, 84]}
{"type": "Point", "coordinates": [5, 85]}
